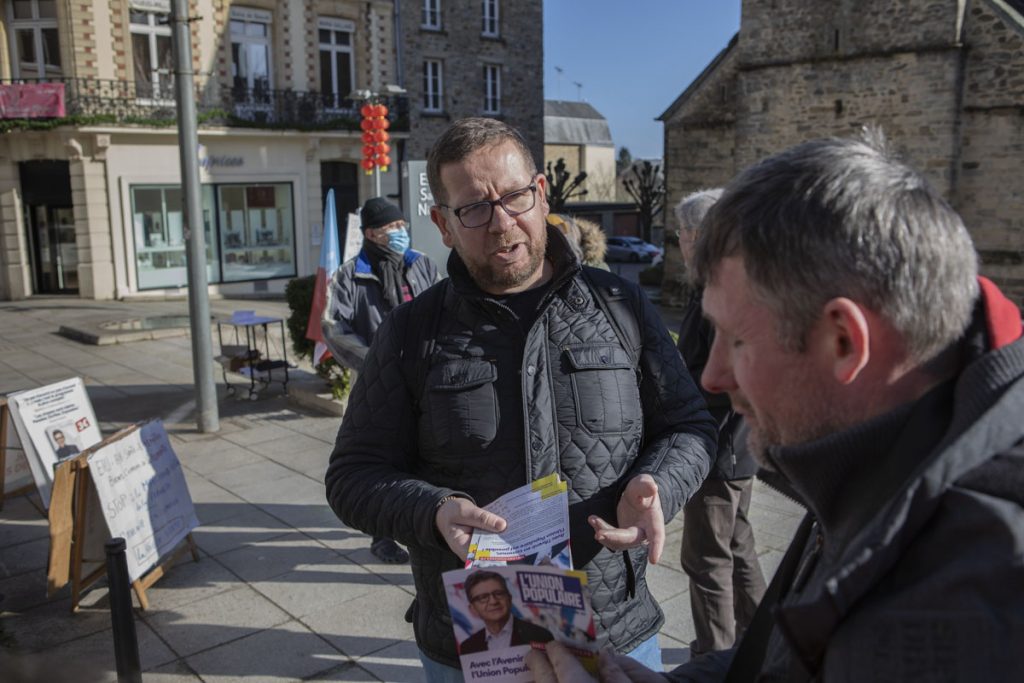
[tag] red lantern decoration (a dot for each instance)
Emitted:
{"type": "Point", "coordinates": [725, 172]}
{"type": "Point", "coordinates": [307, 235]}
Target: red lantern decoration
{"type": "Point", "coordinates": [382, 148]}
{"type": "Point", "coordinates": [381, 136]}
{"type": "Point", "coordinates": [369, 150]}
{"type": "Point", "coordinates": [366, 124]}
{"type": "Point", "coordinates": [382, 110]}
{"type": "Point", "coordinates": [369, 138]}
{"type": "Point", "coordinates": [383, 124]}
{"type": "Point", "coordinates": [367, 165]}
{"type": "Point", "coordinates": [384, 161]}
{"type": "Point", "coordinates": [367, 111]}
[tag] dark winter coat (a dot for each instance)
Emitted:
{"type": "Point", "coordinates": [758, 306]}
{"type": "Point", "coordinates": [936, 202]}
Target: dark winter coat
{"type": "Point", "coordinates": [913, 563]}
{"type": "Point", "coordinates": [734, 460]}
{"type": "Point", "coordinates": [523, 633]}
{"type": "Point", "coordinates": [498, 407]}
{"type": "Point", "coordinates": [356, 304]}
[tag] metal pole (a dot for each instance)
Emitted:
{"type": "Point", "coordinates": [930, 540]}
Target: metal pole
{"type": "Point", "coordinates": [195, 237]}
{"type": "Point", "coordinates": [126, 643]}
{"type": "Point", "coordinates": [376, 178]}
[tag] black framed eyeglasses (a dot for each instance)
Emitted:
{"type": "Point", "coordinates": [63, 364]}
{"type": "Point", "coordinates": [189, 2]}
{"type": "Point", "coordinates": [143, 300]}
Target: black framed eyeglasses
{"type": "Point", "coordinates": [481, 598]}
{"type": "Point", "coordinates": [479, 214]}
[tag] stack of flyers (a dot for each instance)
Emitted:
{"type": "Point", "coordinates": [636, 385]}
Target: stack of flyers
{"type": "Point", "coordinates": [500, 613]}
{"type": "Point", "coordinates": [537, 531]}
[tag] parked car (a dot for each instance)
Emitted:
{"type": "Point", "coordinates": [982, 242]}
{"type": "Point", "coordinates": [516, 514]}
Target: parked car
{"type": "Point", "coordinates": [631, 249]}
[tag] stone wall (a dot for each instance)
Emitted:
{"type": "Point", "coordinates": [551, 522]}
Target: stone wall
{"type": "Point", "coordinates": [952, 104]}
{"type": "Point", "coordinates": [463, 52]}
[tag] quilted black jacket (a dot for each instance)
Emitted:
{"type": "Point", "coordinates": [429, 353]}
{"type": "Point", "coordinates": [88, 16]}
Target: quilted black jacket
{"type": "Point", "coordinates": [494, 408]}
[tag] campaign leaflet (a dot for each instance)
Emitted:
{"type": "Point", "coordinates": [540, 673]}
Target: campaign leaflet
{"type": "Point", "coordinates": [54, 423]}
{"type": "Point", "coordinates": [537, 533]}
{"type": "Point", "coordinates": [500, 613]}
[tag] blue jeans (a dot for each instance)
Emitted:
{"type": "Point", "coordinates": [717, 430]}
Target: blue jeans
{"type": "Point", "coordinates": [647, 653]}
{"type": "Point", "coordinates": [437, 672]}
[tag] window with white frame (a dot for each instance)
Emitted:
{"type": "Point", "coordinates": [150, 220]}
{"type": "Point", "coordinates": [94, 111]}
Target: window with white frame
{"type": "Point", "coordinates": [492, 89]}
{"type": "Point", "coordinates": [250, 50]}
{"type": "Point", "coordinates": [34, 44]}
{"type": "Point", "coordinates": [433, 86]}
{"type": "Point", "coordinates": [490, 18]}
{"type": "Point", "coordinates": [151, 55]}
{"type": "Point", "coordinates": [431, 14]}
{"type": "Point", "coordinates": [337, 68]}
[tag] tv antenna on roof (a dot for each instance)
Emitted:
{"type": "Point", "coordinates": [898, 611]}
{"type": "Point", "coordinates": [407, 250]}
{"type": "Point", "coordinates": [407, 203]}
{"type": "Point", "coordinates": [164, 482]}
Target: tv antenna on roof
{"type": "Point", "coordinates": [558, 82]}
{"type": "Point", "coordinates": [579, 89]}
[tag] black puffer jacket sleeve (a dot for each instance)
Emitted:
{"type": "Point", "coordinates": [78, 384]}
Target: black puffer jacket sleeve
{"type": "Point", "coordinates": [370, 481]}
{"type": "Point", "coordinates": [680, 436]}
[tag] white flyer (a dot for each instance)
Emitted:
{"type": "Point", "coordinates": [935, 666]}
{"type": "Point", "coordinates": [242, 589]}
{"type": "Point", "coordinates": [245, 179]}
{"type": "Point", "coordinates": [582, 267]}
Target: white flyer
{"type": "Point", "coordinates": [537, 531]}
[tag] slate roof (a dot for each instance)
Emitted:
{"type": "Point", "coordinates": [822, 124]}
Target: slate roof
{"type": "Point", "coordinates": [575, 123]}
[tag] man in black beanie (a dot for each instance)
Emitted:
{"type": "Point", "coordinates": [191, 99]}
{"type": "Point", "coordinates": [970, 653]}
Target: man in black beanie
{"type": "Point", "coordinates": [384, 274]}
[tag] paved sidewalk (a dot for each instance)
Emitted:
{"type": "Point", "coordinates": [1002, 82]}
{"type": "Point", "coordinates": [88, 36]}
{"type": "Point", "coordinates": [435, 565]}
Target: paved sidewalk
{"type": "Point", "coordinates": [283, 591]}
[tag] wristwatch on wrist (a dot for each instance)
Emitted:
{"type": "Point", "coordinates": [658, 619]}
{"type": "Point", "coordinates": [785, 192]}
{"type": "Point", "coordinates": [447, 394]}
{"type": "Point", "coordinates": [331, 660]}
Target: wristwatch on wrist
{"type": "Point", "coordinates": [445, 500]}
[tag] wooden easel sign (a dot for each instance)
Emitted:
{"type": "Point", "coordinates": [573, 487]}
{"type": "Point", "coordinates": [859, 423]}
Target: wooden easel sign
{"type": "Point", "coordinates": [136, 482]}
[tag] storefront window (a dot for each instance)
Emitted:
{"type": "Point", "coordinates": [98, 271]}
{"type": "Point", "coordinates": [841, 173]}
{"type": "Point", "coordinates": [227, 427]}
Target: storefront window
{"type": "Point", "coordinates": [159, 229]}
{"type": "Point", "coordinates": [256, 231]}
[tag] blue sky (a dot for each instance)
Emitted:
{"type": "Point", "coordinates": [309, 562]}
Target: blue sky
{"type": "Point", "coordinates": [633, 57]}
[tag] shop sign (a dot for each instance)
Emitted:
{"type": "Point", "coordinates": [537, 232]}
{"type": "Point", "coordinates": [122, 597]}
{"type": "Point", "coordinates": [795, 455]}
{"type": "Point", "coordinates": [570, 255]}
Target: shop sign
{"type": "Point", "coordinates": [158, 6]}
{"type": "Point", "coordinates": [250, 14]}
{"type": "Point", "coordinates": [208, 161]}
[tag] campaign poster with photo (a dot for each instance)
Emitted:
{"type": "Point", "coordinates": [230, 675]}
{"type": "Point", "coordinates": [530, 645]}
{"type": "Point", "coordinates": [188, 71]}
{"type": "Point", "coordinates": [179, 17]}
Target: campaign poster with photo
{"type": "Point", "coordinates": [500, 613]}
{"type": "Point", "coordinates": [53, 423]}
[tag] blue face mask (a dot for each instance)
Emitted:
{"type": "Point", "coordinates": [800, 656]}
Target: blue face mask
{"type": "Point", "coordinates": [398, 241]}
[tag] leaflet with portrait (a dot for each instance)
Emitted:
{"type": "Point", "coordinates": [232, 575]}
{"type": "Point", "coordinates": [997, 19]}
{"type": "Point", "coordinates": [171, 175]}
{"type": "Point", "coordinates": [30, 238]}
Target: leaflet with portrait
{"type": "Point", "coordinates": [500, 612]}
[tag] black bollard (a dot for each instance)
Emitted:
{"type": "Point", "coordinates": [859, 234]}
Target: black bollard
{"type": "Point", "coordinates": [126, 645]}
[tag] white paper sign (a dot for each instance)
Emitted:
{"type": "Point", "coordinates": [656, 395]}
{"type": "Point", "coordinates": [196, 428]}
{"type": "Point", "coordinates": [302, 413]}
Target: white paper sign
{"type": "Point", "coordinates": [143, 494]}
{"type": "Point", "coordinates": [54, 422]}
{"type": "Point", "coordinates": [353, 238]}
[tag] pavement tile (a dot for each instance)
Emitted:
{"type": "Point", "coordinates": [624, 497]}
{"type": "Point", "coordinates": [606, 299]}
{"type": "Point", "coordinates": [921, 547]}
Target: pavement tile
{"type": "Point", "coordinates": [177, 671]}
{"type": "Point", "coordinates": [297, 452]}
{"type": "Point", "coordinates": [203, 624]}
{"type": "Point", "coordinates": [265, 560]}
{"type": "Point", "coordinates": [23, 592]}
{"type": "Point", "coordinates": [399, 663]}
{"type": "Point", "coordinates": [678, 620]}
{"type": "Point", "coordinates": [188, 582]}
{"type": "Point", "coordinates": [673, 652]}
{"type": "Point", "coordinates": [214, 455]}
{"type": "Point", "coordinates": [99, 649]}
{"type": "Point", "coordinates": [380, 623]}
{"type": "Point", "coordinates": [253, 474]}
{"type": "Point", "coordinates": [664, 582]}
{"type": "Point", "coordinates": [289, 651]}
{"type": "Point", "coordinates": [249, 526]}
{"type": "Point", "coordinates": [259, 434]}
{"type": "Point", "coordinates": [51, 624]}
{"type": "Point", "coordinates": [395, 574]}
{"type": "Point", "coordinates": [24, 557]}
{"type": "Point", "coordinates": [346, 673]}
{"type": "Point", "coordinates": [313, 587]}
{"type": "Point", "coordinates": [286, 489]}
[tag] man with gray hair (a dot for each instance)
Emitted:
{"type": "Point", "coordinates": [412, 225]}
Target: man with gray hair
{"type": "Point", "coordinates": [883, 383]}
{"type": "Point", "coordinates": [717, 552]}
{"type": "Point", "coordinates": [519, 365]}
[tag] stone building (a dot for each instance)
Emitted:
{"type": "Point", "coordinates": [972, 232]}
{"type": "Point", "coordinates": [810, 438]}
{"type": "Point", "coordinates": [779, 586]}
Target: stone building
{"type": "Point", "coordinates": [460, 58]}
{"type": "Point", "coordinates": [944, 80]}
{"type": "Point", "coordinates": [578, 134]}
{"type": "Point", "coordinates": [90, 193]}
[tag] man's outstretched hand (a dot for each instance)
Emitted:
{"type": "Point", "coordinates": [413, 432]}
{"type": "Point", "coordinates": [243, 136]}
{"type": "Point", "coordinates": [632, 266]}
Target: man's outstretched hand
{"type": "Point", "coordinates": [641, 521]}
{"type": "Point", "coordinates": [456, 519]}
{"type": "Point", "coordinates": [558, 665]}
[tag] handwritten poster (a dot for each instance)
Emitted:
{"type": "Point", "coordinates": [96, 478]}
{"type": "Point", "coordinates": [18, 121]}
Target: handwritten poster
{"type": "Point", "coordinates": [143, 494]}
{"type": "Point", "coordinates": [53, 423]}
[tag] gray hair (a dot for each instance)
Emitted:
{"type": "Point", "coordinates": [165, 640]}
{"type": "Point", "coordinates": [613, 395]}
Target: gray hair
{"type": "Point", "coordinates": [692, 208]}
{"type": "Point", "coordinates": [465, 137]}
{"type": "Point", "coordinates": [844, 218]}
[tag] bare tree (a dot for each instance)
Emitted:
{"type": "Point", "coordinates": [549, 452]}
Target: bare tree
{"type": "Point", "coordinates": [560, 188]}
{"type": "Point", "coordinates": [647, 188]}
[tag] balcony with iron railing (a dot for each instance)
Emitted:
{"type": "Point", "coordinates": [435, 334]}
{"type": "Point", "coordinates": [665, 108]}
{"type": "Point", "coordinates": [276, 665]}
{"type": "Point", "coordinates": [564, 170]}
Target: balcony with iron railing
{"type": "Point", "coordinates": [33, 104]}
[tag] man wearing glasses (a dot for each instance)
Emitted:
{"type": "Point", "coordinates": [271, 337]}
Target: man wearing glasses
{"type": "Point", "coordinates": [490, 601]}
{"type": "Point", "coordinates": [506, 372]}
